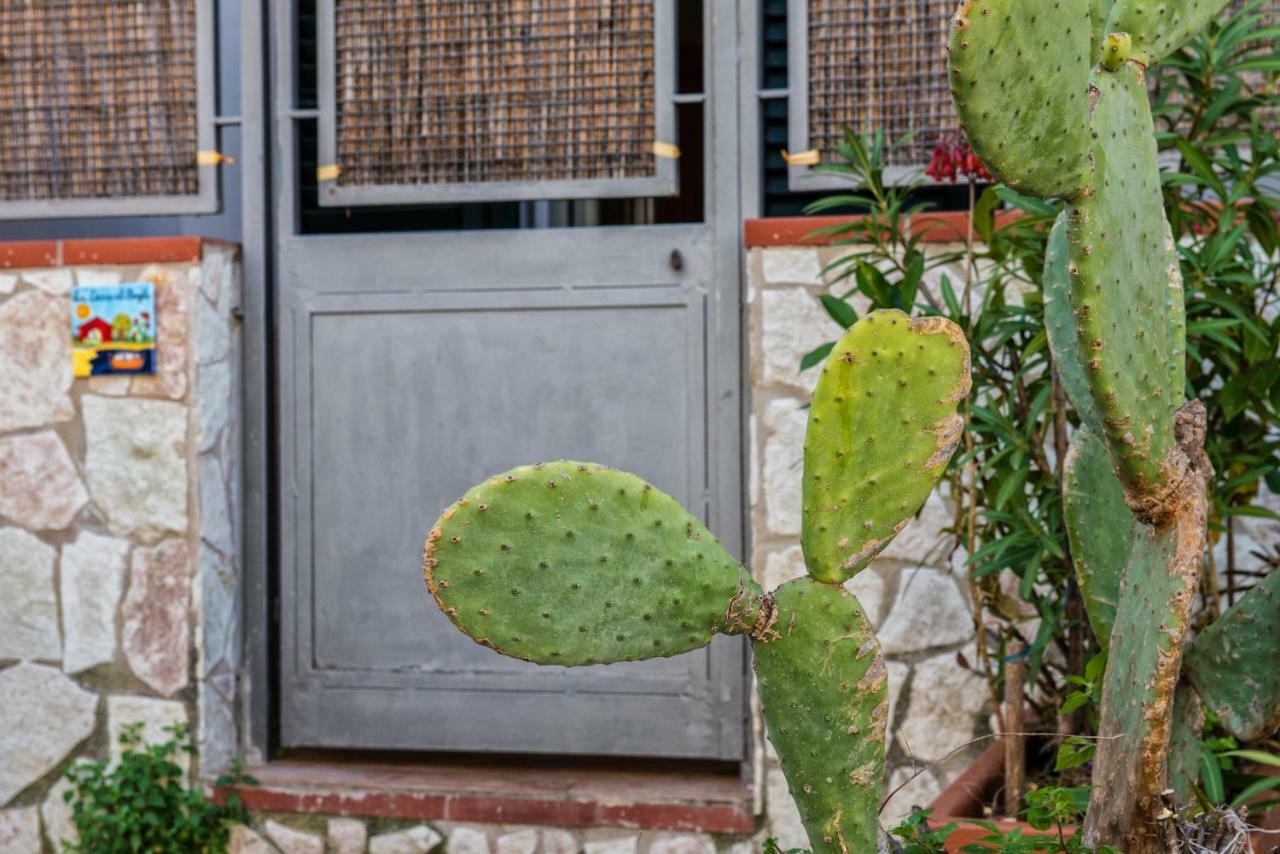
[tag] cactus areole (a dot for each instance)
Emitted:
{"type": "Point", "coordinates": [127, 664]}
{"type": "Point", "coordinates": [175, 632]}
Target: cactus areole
{"type": "Point", "coordinates": [573, 563]}
{"type": "Point", "coordinates": [1053, 95]}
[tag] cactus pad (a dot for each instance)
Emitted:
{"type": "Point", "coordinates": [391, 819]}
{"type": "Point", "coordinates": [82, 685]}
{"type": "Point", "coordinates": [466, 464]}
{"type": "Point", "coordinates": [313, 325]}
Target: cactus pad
{"type": "Point", "coordinates": [1185, 744]}
{"type": "Point", "coordinates": [1125, 283]}
{"type": "Point", "coordinates": [1143, 664]}
{"type": "Point", "coordinates": [882, 427]}
{"type": "Point", "coordinates": [1233, 664]}
{"type": "Point", "coordinates": [1060, 326]}
{"type": "Point", "coordinates": [824, 691]}
{"type": "Point", "coordinates": [1159, 27]}
{"type": "Point", "coordinates": [573, 563]}
{"type": "Point", "coordinates": [1099, 10]}
{"type": "Point", "coordinates": [1020, 81]}
{"type": "Point", "coordinates": [1100, 528]}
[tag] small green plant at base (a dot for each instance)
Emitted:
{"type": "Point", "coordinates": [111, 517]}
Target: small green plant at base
{"type": "Point", "coordinates": [142, 803]}
{"type": "Point", "coordinates": [1051, 808]}
{"type": "Point", "coordinates": [771, 846]}
{"type": "Point", "coordinates": [919, 838]}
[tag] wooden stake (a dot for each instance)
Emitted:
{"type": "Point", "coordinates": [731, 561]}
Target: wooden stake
{"type": "Point", "coordinates": [1015, 745]}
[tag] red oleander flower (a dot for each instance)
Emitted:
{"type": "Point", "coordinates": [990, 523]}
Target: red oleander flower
{"type": "Point", "coordinates": [953, 159]}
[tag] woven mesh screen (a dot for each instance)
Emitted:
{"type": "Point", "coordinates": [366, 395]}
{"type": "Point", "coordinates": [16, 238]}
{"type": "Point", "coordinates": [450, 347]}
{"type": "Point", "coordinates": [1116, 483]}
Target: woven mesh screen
{"type": "Point", "coordinates": [470, 91]}
{"type": "Point", "coordinates": [97, 100]}
{"type": "Point", "coordinates": [880, 65]}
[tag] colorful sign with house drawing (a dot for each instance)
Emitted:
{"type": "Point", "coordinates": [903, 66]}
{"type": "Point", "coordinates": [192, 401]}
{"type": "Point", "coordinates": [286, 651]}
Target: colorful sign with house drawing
{"type": "Point", "coordinates": [113, 329]}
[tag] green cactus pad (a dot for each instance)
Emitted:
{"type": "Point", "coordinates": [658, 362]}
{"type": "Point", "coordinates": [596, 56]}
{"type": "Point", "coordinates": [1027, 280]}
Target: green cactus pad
{"type": "Point", "coordinates": [824, 692]}
{"type": "Point", "coordinates": [1126, 288]}
{"type": "Point", "coordinates": [1020, 82]}
{"type": "Point", "coordinates": [1159, 27]}
{"type": "Point", "coordinates": [1233, 664]}
{"type": "Point", "coordinates": [1143, 664]}
{"type": "Point", "coordinates": [574, 563]}
{"type": "Point", "coordinates": [1185, 743]}
{"type": "Point", "coordinates": [1099, 10]}
{"type": "Point", "coordinates": [882, 427]}
{"type": "Point", "coordinates": [1060, 326]}
{"type": "Point", "coordinates": [1100, 528]}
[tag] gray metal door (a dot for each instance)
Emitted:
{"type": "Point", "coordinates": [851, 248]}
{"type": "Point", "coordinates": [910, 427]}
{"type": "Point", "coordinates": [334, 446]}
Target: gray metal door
{"type": "Point", "coordinates": [411, 365]}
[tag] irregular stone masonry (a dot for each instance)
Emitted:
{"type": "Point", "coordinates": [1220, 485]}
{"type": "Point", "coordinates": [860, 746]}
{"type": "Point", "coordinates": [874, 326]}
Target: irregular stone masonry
{"type": "Point", "coordinates": [114, 506]}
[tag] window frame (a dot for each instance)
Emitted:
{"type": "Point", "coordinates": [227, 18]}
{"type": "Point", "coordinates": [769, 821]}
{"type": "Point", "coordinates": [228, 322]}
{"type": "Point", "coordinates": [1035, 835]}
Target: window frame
{"type": "Point", "coordinates": [804, 179]}
{"type": "Point", "coordinates": [206, 200]}
{"type": "Point", "coordinates": [665, 181]}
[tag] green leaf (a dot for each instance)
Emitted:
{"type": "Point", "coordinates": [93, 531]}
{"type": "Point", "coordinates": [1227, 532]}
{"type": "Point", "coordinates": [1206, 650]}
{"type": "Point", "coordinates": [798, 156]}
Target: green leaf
{"type": "Point", "coordinates": [1258, 756]}
{"type": "Point", "coordinates": [1028, 204]}
{"type": "Point", "coordinates": [949, 297]}
{"type": "Point", "coordinates": [1254, 789]}
{"type": "Point", "coordinates": [873, 284]}
{"type": "Point", "coordinates": [1211, 776]}
{"type": "Point", "coordinates": [984, 213]}
{"type": "Point", "coordinates": [816, 356]}
{"type": "Point", "coordinates": [839, 310]}
{"type": "Point", "coordinates": [910, 285]}
{"type": "Point", "coordinates": [1074, 752]}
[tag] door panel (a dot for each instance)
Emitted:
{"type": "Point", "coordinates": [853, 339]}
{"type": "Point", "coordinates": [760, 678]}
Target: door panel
{"type": "Point", "coordinates": [411, 365]}
{"type": "Point", "coordinates": [490, 387]}
{"type": "Point", "coordinates": [408, 384]}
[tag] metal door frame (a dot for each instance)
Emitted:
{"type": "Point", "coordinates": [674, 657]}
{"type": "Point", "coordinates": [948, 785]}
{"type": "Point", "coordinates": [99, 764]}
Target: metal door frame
{"type": "Point", "coordinates": [270, 139]}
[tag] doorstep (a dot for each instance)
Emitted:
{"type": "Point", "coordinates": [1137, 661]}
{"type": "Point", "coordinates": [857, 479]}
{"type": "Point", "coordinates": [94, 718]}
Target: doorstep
{"type": "Point", "coordinates": [704, 803]}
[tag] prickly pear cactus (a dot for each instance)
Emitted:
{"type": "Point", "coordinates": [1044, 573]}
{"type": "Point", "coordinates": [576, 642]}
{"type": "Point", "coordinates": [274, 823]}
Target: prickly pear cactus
{"type": "Point", "coordinates": [1060, 327]}
{"type": "Point", "coordinates": [1100, 530]}
{"type": "Point", "coordinates": [824, 692]}
{"type": "Point", "coordinates": [573, 563]}
{"type": "Point", "coordinates": [1233, 663]}
{"type": "Point", "coordinates": [1159, 27]}
{"type": "Point", "coordinates": [1020, 81]}
{"type": "Point", "coordinates": [882, 427]}
{"type": "Point", "coordinates": [1185, 753]}
{"type": "Point", "coordinates": [1126, 291]}
{"type": "Point", "coordinates": [1054, 97]}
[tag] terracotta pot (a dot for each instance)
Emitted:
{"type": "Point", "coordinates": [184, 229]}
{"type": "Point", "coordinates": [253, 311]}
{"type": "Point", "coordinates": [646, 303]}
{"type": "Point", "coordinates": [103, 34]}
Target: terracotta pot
{"type": "Point", "coordinates": [964, 800]}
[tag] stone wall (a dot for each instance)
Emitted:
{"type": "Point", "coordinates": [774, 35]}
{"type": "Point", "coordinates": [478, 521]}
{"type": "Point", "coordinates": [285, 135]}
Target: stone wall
{"type": "Point", "coordinates": [915, 591]}
{"type": "Point", "coordinates": [118, 545]}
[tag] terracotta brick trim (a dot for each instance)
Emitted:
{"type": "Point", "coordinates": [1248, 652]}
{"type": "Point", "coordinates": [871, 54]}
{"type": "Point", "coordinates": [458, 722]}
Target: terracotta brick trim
{"type": "Point", "coordinates": [106, 250]}
{"type": "Point", "coordinates": [934, 227]}
{"type": "Point", "coordinates": [551, 797]}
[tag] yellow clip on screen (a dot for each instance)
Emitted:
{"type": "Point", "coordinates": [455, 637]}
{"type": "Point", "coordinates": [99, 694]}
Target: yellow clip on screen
{"type": "Point", "coordinates": [667, 150]}
{"type": "Point", "coordinates": [802, 158]}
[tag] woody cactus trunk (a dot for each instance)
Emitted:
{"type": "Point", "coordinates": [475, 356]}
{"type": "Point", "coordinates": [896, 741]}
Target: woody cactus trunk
{"type": "Point", "coordinates": [1053, 96]}
{"type": "Point", "coordinates": [573, 563]}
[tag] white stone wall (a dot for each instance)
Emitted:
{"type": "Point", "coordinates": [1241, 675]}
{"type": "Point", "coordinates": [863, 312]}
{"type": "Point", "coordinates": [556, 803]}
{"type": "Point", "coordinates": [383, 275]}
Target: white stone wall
{"type": "Point", "coordinates": [118, 539]}
{"type": "Point", "coordinates": [914, 592]}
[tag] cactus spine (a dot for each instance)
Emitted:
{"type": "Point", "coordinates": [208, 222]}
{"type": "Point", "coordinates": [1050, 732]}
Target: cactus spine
{"type": "Point", "coordinates": [573, 563]}
{"type": "Point", "coordinates": [1054, 98]}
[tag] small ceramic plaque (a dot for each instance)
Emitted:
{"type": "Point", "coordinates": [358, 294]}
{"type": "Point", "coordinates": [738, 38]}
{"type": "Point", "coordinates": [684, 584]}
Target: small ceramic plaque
{"type": "Point", "coordinates": [113, 329]}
